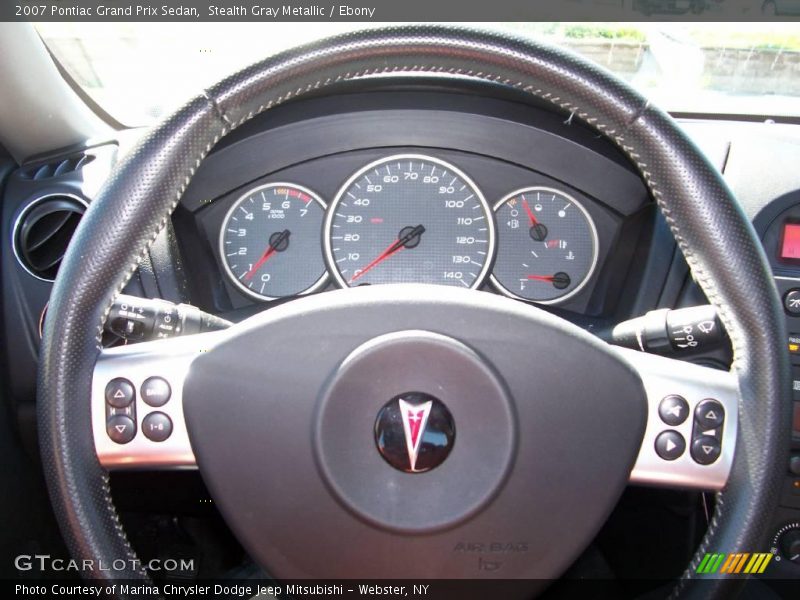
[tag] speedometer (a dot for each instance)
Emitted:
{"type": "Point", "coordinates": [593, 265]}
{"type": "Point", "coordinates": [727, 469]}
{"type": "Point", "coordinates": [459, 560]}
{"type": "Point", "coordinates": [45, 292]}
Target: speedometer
{"type": "Point", "coordinates": [409, 219]}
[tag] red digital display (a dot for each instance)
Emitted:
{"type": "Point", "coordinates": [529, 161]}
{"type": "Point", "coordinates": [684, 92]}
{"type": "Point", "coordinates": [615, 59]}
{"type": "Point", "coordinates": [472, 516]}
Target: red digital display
{"type": "Point", "coordinates": [790, 242]}
{"type": "Point", "coordinates": [796, 426]}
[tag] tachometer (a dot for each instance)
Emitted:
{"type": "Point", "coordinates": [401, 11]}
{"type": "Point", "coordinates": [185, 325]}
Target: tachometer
{"type": "Point", "coordinates": [547, 245]}
{"type": "Point", "coordinates": [270, 241]}
{"type": "Point", "coordinates": [409, 219]}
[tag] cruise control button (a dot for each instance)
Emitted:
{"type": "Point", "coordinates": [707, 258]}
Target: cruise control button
{"type": "Point", "coordinates": [121, 429]}
{"type": "Point", "coordinates": [673, 410]}
{"type": "Point", "coordinates": [709, 414]}
{"type": "Point", "coordinates": [706, 449]}
{"type": "Point", "coordinates": [670, 445]}
{"type": "Point", "coordinates": [157, 426]}
{"type": "Point", "coordinates": [156, 391]}
{"type": "Point", "coordinates": [120, 392]}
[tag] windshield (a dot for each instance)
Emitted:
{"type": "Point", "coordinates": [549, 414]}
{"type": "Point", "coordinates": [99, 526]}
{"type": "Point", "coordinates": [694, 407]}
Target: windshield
{"type": "Point", "coordinates": [138, 72]}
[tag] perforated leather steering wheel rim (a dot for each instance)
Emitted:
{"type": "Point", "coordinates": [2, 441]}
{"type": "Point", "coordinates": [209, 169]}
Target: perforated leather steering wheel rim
{"type": "Point", "coordinates": [147, 184]}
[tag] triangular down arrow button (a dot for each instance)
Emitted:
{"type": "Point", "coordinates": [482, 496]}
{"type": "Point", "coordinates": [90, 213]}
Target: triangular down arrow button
{"type": "Point", "coordinates": [120, 428]}
{"type": "Point", "coordinates": [708, 449]}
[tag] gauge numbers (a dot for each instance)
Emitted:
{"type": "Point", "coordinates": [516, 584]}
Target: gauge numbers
{"type": "Point", "coordinates": [547, 245]}
{"type": "Point", "coordinates": [409, 219]}
{"type": "Point", "coordinates": [269, 242]}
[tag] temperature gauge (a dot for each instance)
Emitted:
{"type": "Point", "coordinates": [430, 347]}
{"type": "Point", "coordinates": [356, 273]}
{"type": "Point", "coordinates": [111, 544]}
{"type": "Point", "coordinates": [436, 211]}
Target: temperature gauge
{"type": "Point", "coordinates": [546, 245]}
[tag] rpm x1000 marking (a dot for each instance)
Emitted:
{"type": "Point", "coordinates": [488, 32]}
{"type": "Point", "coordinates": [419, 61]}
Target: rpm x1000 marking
{"type": "Point", "coordinates": [409, 219]}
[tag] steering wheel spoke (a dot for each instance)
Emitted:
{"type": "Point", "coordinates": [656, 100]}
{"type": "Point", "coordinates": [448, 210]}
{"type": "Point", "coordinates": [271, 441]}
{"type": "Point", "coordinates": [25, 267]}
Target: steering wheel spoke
{"type": "Point", "coordinates": [690, 435]}
{"type": "Point", "coordinates": [137, 403]}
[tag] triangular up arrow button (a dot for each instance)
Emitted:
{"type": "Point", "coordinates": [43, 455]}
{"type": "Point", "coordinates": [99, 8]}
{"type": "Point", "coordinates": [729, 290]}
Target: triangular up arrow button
{"type": "Point", "coordinates": [119, 394]}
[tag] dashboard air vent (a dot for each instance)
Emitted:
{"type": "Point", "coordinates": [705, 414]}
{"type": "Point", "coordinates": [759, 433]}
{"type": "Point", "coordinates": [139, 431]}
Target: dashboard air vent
{"type": "Point", "coordinates": [56, 168]}
{"type": "Point", "coordinates": [43, 231]}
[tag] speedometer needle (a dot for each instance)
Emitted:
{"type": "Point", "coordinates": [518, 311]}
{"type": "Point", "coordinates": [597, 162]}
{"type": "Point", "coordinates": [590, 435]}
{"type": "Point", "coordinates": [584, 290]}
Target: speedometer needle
{"type": "Point", "coordinates": [542, 277]}
{"type": "Point", "coordinates": [276, 242]}
{"type": "Point", "coordinates": [396, 246]}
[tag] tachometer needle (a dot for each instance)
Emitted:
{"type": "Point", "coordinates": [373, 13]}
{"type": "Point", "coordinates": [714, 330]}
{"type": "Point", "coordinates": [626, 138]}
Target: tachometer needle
{"type": "Point", "coordinates": [406, 235]}
{"type": "Point", "coordinates": [276, 243]}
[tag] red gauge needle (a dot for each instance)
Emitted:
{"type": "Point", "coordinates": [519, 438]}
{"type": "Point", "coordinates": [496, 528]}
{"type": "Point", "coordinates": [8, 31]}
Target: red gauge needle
{"type": "Point", "coordinates": [275, 242]}
{"type": "Point", "coordinates": [531, 216]}
{"type": "Point", "coordinates": [395, 247]}
{"type": "Point", "coordinates": [559, 280]}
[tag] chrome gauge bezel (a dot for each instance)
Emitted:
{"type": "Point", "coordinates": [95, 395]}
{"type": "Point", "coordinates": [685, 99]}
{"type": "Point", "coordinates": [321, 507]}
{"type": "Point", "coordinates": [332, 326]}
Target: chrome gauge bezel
{"type": "Point", "coordinates": [328, 225]}
{"type": "Point", "coordinates": [595, 245]}
{"type": "Point", "coordinates": [317, 285]}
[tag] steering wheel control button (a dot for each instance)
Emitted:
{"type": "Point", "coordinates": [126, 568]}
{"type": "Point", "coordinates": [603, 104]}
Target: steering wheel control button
{"type": "Point", "coordinates": [157, 426]}
{"type": "Point", "coordinates": [120, 393]}
{"type": "Point", "coordinates": [128, 411]}
{"type": "Point", "coordinates": [156, 391]}
{"type": "Point", "coordinates": [793, 344]}
{"type": "Point", "coordinates": [796, 383]}
{"type": "Point", "coordinates": [414, 432]}
{"type": "Point", "coordinates": [673, 410]}
{"type": "Point", "coordinates": [121, 429]}
{"type": "Point", "coordinates": [706, 449]}
{"type": "Point", "coordinates": [791, 302]}
{"type": "Point", "coordinates": [670, 445]}
{"type": "Point", "coordinates": [709, 414]}
{"type": "Point", "coordinates": [794, 464]}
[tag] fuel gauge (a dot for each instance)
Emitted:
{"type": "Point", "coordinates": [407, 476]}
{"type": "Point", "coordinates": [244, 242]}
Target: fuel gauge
{"type": "Point", "coordinates": [546, 245]}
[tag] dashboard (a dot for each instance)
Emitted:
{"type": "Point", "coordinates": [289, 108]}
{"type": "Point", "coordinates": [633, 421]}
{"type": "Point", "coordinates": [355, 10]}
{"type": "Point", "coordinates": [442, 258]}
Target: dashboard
{"type": "Point", "coordinates": [465, 187]}
{"type": "Point", "coordinates": [424, 188]}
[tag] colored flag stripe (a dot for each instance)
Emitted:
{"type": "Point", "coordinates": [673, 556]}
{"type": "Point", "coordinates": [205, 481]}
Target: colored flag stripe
{"type": "Point", "coordinates": [717, 562]}
{"type": "Point", "coordinates": [741, 561]}
{"type": "Point", "coordinates": [710, 563]}
{"type": "Point", "coordinates": [728, 566]}
{"type": "Point", "coordinates": [754, 562]}
{"type": "Point", "coordinates": [701, 568]}
{"type": "Point", "coordinates": [767, 558]}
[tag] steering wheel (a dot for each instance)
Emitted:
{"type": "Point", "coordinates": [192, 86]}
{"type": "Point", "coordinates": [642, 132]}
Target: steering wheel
{"type": "Point", "coordinates": [540, 425]}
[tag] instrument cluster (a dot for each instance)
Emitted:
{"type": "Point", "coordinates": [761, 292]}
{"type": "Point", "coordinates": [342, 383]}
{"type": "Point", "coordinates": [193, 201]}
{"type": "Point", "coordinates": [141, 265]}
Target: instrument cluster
{"type": "Point", "coordinates": [408, 218]}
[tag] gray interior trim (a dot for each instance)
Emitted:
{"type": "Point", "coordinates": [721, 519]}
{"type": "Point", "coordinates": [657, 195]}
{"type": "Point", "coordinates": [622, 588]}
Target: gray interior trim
{"type": "Point", "coordinates": [39, 112]}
